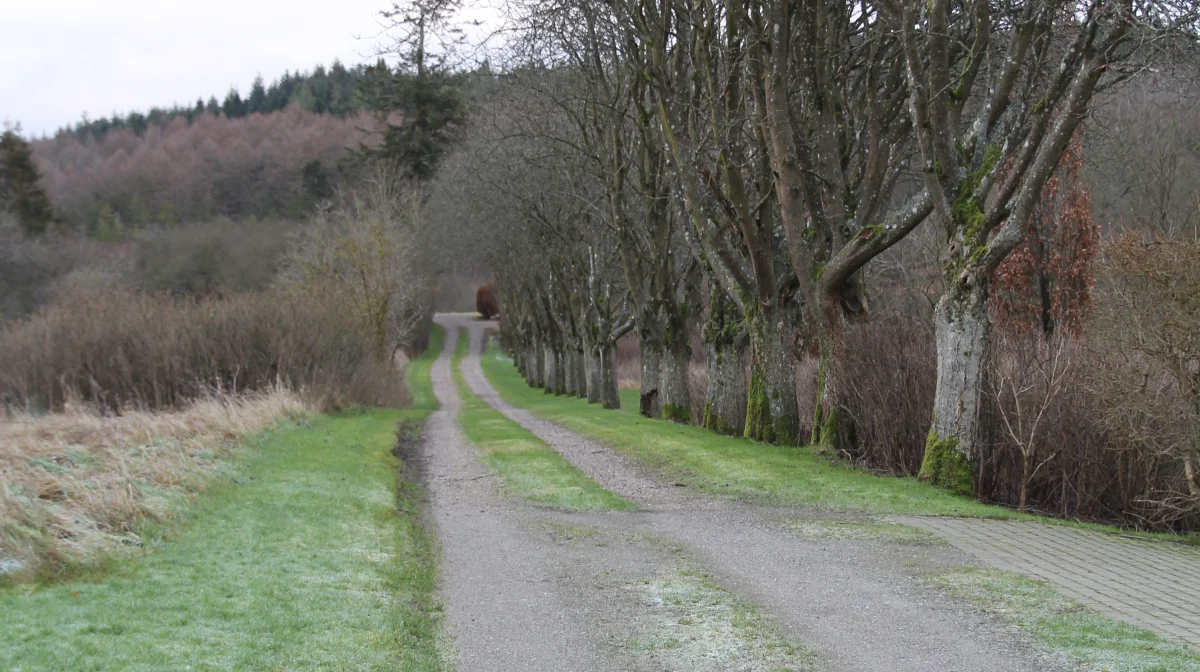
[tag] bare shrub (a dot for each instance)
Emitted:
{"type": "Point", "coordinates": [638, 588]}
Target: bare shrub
{"type": "Point", "coordinates": [118, 349]}
{"type": "Point", "coordinates": [369, 251]}
{"type": "Point", "coordinates": [76, 484]}
{"type": "Point", "coordinates": [32, 270]}
{"type": "Point", "coordinates": [1150, 312]}
{"type": "Point", "coordinates": [486, 302]}
{"type": "Point", "coordinates": [806, 393]}
{"type": "Point", "coordinates": [1026, 382]}
{"type": "Point", "coordinates": [629, 368]}
{"type": "Point", "coordinates": [891, 367]}
{"type": "Point", "coordinates": [221, 255]}
{"type": "Point", "coordinates": [1074, 465]}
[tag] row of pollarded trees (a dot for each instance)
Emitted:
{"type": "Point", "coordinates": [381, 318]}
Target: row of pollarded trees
{"type": "Point", "coordinates": [731, 167]}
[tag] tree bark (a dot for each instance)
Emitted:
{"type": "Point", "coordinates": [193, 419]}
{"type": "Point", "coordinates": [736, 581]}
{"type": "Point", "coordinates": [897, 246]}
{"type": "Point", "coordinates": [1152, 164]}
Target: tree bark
{"type": "Point", "coordinates": [519, 362]}
{"type": "Point", "coordinates": [609, 396]}
{"type": "Point", "coordinates": [560, 373]}
{"type": "Point", "coordinates": [538, 365]}
{"type": "Point", "coordinates": [675, 393]}
{"type": "Point", "coordinates": [963, 330]}
{"type": "Point", "coordinates": [650, 354]}
{"type": "Point", "coordinates": [595, 387]}
{"type": "Point", "coordinates": [725, 403]}
{"type": "Point", "coordinates": [725, 346]}
{"type": "Point", "coordinates": [549, 370]}
{"type": "Point", "coordinates": [579, 359]}
{"type": "Point", "coordinates": [772, 414]}
{"type": "Point", "coordinates": [832, 428]}
{"type": "Point", "coordinates": [569, 370]}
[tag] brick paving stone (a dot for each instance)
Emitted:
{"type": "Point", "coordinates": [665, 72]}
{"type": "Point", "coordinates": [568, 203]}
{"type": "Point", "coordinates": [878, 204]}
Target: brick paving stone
{"type": "Point", "coordinates": [1145, 582]}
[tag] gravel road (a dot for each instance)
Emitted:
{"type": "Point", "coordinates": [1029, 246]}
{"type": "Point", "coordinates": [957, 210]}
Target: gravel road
{"type": "Point", "coordinates": [518, 598]}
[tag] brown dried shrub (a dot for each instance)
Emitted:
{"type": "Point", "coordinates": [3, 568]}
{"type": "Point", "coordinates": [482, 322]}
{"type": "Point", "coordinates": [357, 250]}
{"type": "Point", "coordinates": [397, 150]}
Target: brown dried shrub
{"type": "Point", "coordinates": [116, 349]}
{"type": "Point", "coordinates": [485, 300]}
{"type": "Point", "coordinates": [890, 369]}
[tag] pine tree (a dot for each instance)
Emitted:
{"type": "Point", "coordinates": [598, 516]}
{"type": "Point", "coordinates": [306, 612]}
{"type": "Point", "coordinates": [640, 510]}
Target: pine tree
{"type": "Point", "coordinates": [20, 188]}
{"type": "Point", "coordinates": [213, 107]}
{"type": "Point", "coordinates": [256, 102]}
{"type": "Point", "coordinates": [233, 107]}
{"type": "Point", "coordinates": [108, 225]}
{"type": "Point", "coordinates": [167, 217]}
{"type": "Point", "coordinates": [424, 87]}
{"type": "Point", "coordinates": [315, 182]}
{"type": "Point", "coordinates": [137, 213]}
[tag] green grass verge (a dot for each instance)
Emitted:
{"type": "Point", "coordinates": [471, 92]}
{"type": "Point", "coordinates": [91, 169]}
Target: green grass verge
{"type": "Point", "coordinates": [782, 475]}
{"type": "Point", "coordinates": [530, 468]}
{"type": "Point", "coordinates": [1065, 626]}
{"type": "Point", "coordinates": [744, 469]}
{"type": "Point", "coordinates": [309, 554]}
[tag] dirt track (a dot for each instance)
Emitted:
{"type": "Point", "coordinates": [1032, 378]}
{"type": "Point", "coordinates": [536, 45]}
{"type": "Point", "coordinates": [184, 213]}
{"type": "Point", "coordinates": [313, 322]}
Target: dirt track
{"type": "Point", "coordinates": [529, 589]}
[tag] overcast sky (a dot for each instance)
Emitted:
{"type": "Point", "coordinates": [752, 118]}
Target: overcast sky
{"type": "Point", "coordinates": [62, 58]}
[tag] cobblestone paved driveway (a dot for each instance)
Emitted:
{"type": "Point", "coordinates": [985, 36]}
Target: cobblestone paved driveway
{"type": "Point", "coordinates": [1152, 584]}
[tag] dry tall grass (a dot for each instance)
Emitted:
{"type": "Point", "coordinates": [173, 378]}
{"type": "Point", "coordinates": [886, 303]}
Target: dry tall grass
{"type": "Point", "coordinates": [77, 484]}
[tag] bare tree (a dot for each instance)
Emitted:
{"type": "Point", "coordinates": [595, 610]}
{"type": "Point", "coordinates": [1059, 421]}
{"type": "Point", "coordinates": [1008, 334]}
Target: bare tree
{"type": "Point", "coordinates": [1025, 387]}
{"type": "Point", "coordinates": [995, 93]}
{"type": "Point", "coordinates": [370, 249]}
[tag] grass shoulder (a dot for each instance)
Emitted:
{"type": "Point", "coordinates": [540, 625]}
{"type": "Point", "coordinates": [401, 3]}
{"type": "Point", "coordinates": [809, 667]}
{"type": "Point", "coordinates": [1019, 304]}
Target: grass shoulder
{"type": "Point", "coordinates": [733, 466]}
{"type": "Point", "coordinates": [530, 468]}
{"type": "Point", "coordinates": [310, 552]}
{"type": "Point", "coordinates": [740, 468]}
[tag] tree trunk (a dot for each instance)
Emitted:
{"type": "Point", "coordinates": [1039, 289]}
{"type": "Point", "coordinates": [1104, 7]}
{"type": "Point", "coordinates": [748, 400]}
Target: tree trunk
{"type": "Point", "coordinates": [580, 361]}
{"type": "Point", "coordinates": [725, 347]}
{"type": "Point", "coordinates": [675, 393]}
{"type": "Point", "coordinates": [1026, 477]}
{"type": "Point", "coordinates": [595, 385]}
{"type": "Point", "coordinates": [772, 414]}
{"type": "Point", "coordinates": [548, 369]}
{"type": "Point", "coordinates": [650, 352]}
{"type": "Point", "coordinates": [518, 361]}
{"type": "Point", "coordinates": [569, 383]}
{"type": "Point", "coordinates": [725, 404]}
{"type": "Point", "coordinates": [609, 396]}
{"type": "Point", "coordinates": [538, 365]}
{"type": "Point", "coordinates": [963, 330]}
{"type": "Point", "coordinates": [832, 430]}
{"type": "Point", "coordinates": [560, 373]}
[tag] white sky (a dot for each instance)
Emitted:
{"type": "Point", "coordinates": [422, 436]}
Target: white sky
{"type": "Point", "coordinates": [61, 58]}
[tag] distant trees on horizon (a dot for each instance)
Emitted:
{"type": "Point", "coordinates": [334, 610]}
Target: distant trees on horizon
{"type": "Point", "coordinates": [333, 90]}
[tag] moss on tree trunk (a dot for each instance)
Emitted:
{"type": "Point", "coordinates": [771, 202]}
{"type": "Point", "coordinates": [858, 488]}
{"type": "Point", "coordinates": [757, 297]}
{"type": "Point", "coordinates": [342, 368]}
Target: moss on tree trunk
{"type": "Point", "coordinates": [771, 411]}
{"type": "Point", "coordinates": [944, 465]}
